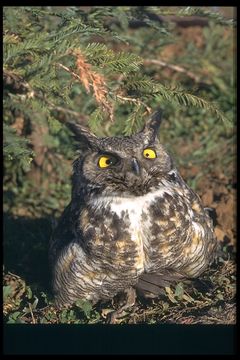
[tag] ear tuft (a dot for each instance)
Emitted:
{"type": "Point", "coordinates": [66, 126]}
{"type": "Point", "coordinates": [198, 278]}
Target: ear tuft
{"type": "Point", "coordinates": [152, 125]}
{"type": "Point", "coordinates": [155, 120]}
{"type": "Point", "coordinates": [85, 137]}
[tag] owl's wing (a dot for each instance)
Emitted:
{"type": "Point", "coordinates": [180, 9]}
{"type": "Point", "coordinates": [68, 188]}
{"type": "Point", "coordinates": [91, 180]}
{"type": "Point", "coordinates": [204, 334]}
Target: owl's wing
{"type": "Point", "coordinates": [64, 233]}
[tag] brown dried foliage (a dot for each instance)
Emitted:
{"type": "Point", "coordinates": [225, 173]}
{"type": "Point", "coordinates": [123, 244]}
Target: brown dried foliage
{"type": "Point", "coordinates": [90, 78]}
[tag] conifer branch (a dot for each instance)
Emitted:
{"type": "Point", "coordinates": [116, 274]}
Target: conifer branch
{"type": "Point", "coordinates": [17, 83]}
{"type": "Point", "coordinates": [88, 78]}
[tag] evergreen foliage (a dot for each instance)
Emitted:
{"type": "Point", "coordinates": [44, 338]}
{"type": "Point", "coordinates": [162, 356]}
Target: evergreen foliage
{"type": "Point", "coordinates": [82, 63]}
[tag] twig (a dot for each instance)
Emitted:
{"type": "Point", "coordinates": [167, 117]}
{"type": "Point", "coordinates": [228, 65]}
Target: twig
{"type": "Point", "coordinates": [180, 21]}
{"type": "Point", "coordinates": [69, 71]}
{"type": "Point", "coordinates": [61, 109]}
{"type": "Point", "coordinates": [33, 319]}
{"type": "Point", "coordinates": [173, 67]}
{"type": "Point", "coordinates": [125, 98]}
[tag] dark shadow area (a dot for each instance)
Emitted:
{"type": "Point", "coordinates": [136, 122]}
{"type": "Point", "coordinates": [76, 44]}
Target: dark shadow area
{"type": "Point", "coordinates": [26, 244]}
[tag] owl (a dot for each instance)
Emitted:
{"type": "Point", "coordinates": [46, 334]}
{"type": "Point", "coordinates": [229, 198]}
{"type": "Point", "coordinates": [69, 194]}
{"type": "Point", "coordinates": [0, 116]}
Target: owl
{"type": "Point", "coordinates": [132, 223]}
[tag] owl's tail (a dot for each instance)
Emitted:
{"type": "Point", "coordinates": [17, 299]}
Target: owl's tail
{"type": "Point", "coordinates": [152, 285]}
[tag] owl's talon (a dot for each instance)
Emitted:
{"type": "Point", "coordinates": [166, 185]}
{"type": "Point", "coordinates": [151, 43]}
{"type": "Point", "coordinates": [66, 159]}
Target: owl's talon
{"type": "Point", "coordinates": [113, 316]}
{"type": "Point", "coordinates": [116, 316]}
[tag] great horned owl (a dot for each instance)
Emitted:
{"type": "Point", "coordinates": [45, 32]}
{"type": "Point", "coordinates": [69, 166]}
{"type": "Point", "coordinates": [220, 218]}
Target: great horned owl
{"type": "Point", "coordinates": [132, 222]}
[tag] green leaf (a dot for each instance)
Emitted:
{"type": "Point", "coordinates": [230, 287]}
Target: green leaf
{"type": "Point", "coordinates": [179, 291]}
{"type": "Point", "coordinates": [7, 291]}
{"type": "Point", "coordinates": [85, 306]}
{"type": "Point", "coordinates": [13, 317]}
{"type": "Point", "coordinates": [29, 292]}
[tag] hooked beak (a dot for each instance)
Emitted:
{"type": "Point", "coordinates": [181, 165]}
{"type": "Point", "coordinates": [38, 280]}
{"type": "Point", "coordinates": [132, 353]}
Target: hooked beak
{"type": "Point", "coordinates": [135, 166]}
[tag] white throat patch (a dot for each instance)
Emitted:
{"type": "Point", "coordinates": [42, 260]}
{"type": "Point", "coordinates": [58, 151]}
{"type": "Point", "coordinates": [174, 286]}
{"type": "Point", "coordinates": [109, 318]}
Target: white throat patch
{"type": "Point", "coordinates": [134, 204]}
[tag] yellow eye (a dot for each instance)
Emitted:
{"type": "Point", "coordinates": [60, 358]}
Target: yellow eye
{"type": "Point", "coordinates": [104, 161]}
{"type": "Point", "coordinates": [149, 154]}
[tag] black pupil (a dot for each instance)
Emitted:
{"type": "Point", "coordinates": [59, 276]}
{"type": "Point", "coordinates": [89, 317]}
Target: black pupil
{"type": "Point", "coordinates": [147, 154]}
{"type": "Point", "coordinates": [108, 161]}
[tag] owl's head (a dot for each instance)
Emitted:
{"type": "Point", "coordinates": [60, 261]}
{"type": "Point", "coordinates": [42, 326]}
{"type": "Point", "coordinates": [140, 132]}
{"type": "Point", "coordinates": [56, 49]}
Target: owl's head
{"type": "Point", "coordinates": [121, 165]}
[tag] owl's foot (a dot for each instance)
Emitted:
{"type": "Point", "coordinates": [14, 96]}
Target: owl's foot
{"type": "Point", "coordinates": [114, 316]}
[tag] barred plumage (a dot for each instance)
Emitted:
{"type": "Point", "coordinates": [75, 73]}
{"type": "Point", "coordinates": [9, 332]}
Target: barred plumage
{"type": "Point", "coordinates": [132, 221]}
